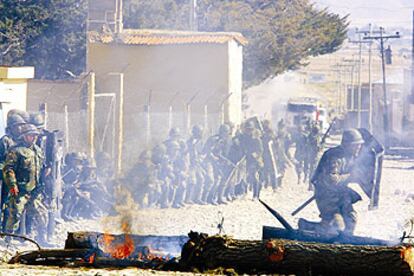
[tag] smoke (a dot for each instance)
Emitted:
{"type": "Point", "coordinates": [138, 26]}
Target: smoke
{"type": "Point", "coordinates": [268, 100]}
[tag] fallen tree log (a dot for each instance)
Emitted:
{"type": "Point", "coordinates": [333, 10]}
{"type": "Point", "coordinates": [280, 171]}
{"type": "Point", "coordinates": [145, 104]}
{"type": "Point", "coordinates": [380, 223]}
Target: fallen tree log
{"type": "Point", "coordinates": [293, 257]}
{"type": "Point", "coordinates": [87, 258]}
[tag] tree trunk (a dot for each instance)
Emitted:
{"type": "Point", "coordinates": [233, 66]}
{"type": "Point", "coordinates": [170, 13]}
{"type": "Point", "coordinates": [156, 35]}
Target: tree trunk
{"type": "Point", "coordinates": [293, 257]}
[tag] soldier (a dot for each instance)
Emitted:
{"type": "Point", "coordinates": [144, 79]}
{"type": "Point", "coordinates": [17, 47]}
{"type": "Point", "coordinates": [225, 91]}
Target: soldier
{"type": "Point", "coordinates": [164, 173]}
{"type": "Point", "coordinates": [313, 145]}
{"type": "Point", "coordinates": [174, 136]}
{"type": "Point", "coordinates": [335, 170]}
{"type": "Point", "coordinates": [22, 172]}
{"type": "Point", "coordinates": [94, 190]}
{"type": "Point", "coordinates": [196, 178]}
{"type": "Point", "coordinates": [269, 158]}
{"type": "Point", "coordinates": [143, 179]}
{"type": "Point", "coordinates": [250, 143]}
{"type": "Point", "coordinates": [217, 165]}
{"type": "Point", "coordinates": [71, 177]}
{"type": "Point", "coordinates": [179, 161]}
{"type": "Point", "coordinates": [14, 124]}
{"type": "Point", "coordinates": [300, 151]}
{"type": "Point", "coordinates": [282, 159]}
{"type": "Point", "coordinates": [284, 137]}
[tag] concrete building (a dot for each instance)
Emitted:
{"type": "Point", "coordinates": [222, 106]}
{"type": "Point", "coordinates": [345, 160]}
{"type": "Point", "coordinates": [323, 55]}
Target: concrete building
{"type": "Point", "coordinates": [13, 90]}
{"type": "Point", "coordinates": [160, 78]}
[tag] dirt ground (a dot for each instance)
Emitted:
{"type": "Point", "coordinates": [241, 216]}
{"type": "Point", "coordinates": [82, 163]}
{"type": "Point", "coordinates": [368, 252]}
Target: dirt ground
{"type": "Point", "coordinates": [244, 218]}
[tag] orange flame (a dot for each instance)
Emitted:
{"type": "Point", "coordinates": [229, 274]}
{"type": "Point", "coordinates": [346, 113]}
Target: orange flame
{"type": "Point", "coordinates": [92, 258]}
{"type": "Point", "coordinates": [118, 251]}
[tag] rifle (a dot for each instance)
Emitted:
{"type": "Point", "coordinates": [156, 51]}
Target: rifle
{"type": "Point", "coordinates": [301, 207]}
{"type": "Point", "coordinates": [326, 134]}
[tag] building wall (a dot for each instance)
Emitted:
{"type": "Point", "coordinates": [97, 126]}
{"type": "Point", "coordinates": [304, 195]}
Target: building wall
{"type": "Point", "coordinates": [235, 82]}
{"type": "Point", "coordinates": [13, 88]}
{"type": "Point", "coordinates": [12, 96]}
{"type": "Point", "coordinates": [169, 75]}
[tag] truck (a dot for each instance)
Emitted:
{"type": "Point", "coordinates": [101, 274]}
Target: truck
{"type": "Point", "coordinates": [299, 110]}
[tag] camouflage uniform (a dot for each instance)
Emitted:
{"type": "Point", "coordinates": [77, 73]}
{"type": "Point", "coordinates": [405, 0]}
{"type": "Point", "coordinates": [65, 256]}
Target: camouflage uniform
{"type": "Point", "coordinates": [282, 160]}
{"type": "Point", "coordinates": [250, 143]}
{"type": "Point", "coordinates": [269, 146]}
{"type": "Point", "coordinates": [333, 197]}
{"type": "Point", "coordinates": [22, 170]}
{"type": "Point", "coordinates": [143, 180]}
{"type": "Point", "coordinates": [300, 152]}
{"type": "Point", "coordinates": [196, 177]}
{"type": "Point", "coordinates": [313, 145]}
{"type": "Point", "coordinates": [14, 123]}
{"type": "Point", "coordinates": [164, 174]}
{"type": "Point", "coordinates": [217, 150]}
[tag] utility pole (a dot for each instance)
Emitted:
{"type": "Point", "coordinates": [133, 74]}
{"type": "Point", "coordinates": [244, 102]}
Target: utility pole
{"type": "Point", "coordinates": [193, 15]}
{"type": "Point", "coordinates": [412, 60]}
{"type": "Point", "coordinates": [371, 102]}
{"type": "Point", "coordinates": [381, 39]}
{"type": "Point", "coordinates": [360, 42]}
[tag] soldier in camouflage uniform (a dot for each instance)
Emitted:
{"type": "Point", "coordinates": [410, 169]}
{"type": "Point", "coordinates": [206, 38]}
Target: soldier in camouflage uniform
{"type": "Point", "coordinates": [164, 174]}
{"type": "Point", "coordinates": [22, 173]}
{"type": "Point", "coordinates": [313, 145]}
{"type": "Point", "coordinates": [71, 177]}
{"type": "Point", "coordinates": [300, 151]}
{"type": "Point", "coordinates": [250, 144]}
{"type": "Point", "coordinates": [14, 124]}
{"type": "Point", "coordinates": [335, 170]}
{"type": "Point", "coordinates": [196, 177]}
{"type": "Point", "coordinates": [269, 143]}
{"type": "Point", "coordinates": [282, 159]}
{"type": "Point", "coordinates": [218, 166]}
{"type": "Point", "coordinates": [143, 180]}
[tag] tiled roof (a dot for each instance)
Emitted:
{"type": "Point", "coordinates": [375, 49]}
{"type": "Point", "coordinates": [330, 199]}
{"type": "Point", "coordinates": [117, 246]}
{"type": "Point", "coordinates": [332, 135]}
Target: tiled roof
{"type": "Point", "coordinates": [163, 37]}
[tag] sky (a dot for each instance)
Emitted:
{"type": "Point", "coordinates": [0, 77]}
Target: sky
{"type": "Point", "coordinates": [385, 13]}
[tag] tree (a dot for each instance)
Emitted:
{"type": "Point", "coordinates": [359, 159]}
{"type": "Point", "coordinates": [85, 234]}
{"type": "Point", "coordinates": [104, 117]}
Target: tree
{"type": "Point", "coordinates": [281, 33]}
{"type": "Point", "coordinates": [49, 35]}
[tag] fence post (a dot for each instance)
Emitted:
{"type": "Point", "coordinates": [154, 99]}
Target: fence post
{"type": "Point", "coordinates": [91, 114]}
{"type": "Point", "coordinates": [66, 127]}
{"type": "Point", "coordinates": [206, 118]}
{"type": "Point", "coordinates": [43, 111]}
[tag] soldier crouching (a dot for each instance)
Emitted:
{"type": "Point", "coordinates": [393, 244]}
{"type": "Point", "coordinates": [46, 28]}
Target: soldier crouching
{"type": "Point", "coordinates": [335, 170]}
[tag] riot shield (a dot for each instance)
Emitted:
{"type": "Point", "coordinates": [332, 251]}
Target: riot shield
{"type": "Point", "coordinates": [370, 164]}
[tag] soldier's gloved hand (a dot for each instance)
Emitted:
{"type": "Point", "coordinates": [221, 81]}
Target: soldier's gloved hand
{"type": "Point", "coordinates": [14, 191]}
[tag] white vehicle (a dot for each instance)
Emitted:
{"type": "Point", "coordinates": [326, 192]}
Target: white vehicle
{"type": "Point", "coordinates": [299, 110]}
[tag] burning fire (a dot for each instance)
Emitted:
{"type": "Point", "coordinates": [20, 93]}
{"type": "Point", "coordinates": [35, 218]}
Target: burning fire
{"type": "Point", "coordinates": [123, 246]}
{"type": "Point", "coordinates": [119, 250]}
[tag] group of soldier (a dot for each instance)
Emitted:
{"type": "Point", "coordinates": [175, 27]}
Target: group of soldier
{"type": "Point", "coordinates": [33, 195]}
{"type": "Point", "coordinates": [199, 170]}
{"type": "Point", "coordinates": [88, 186]}
{"type": "Point", "coordinates": [219, 168]}
{"type": "Point", "coordinates": [25, 203]}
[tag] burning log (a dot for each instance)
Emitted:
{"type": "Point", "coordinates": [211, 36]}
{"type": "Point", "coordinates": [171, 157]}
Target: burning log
{"type": "Point", "coordinates": [109, 250]}
{"type": "Point", "coordinates": [167, 245]}
{"type": "Point", "coordinates": [293, 257]}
